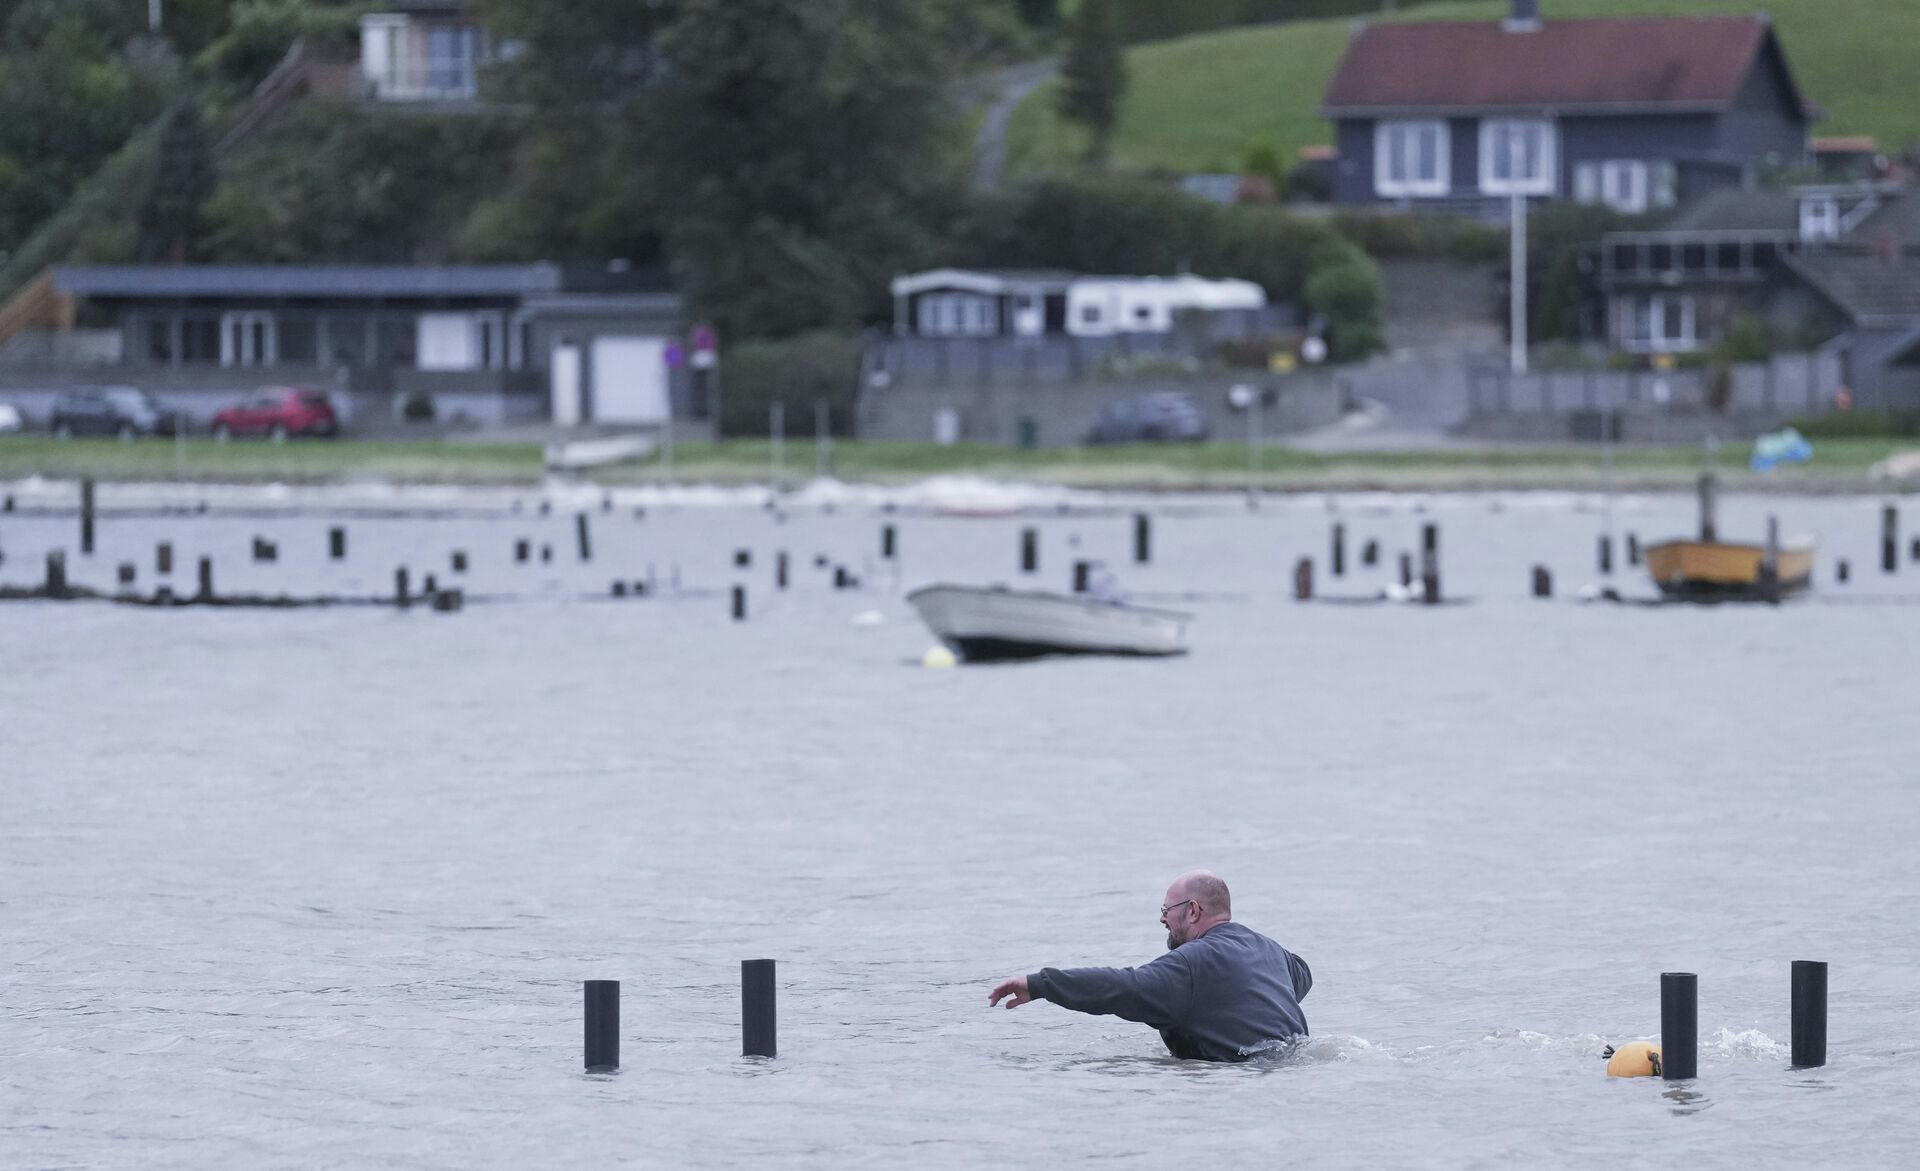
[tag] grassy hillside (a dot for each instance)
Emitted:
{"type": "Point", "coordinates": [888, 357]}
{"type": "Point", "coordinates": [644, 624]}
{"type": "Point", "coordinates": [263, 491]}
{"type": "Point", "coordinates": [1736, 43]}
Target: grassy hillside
{"type": "Point", "coordinates": [1195, 103]}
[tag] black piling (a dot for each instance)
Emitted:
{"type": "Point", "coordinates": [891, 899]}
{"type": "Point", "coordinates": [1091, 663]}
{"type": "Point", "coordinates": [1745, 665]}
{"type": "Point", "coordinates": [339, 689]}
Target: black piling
{"type": "Point", "coordinates": [1337, 559]}
{"type": "Point", "coordinates": [446, 601]}
{"type": "Point", "coordinates": [86, 518]}
{"type": "Point", "coordinates": [742, 558]}
{"type": "Point", "coordinates": [757, 1009]}
{"type": "Point", "coordinates": [1809, 1013]}
{"type": "Point", "coordinates": [619, 589]}
{"type": "Point", "coordinates": [780, 570]}
{"type": "Point", "coordinates": [1029, 550]}
{"type": "Point", "coordinates": [1142, 538]}
{"type": "Point", "coordinates": [1542, 582]}
{"type": "Point", "coordinates": [265, 550]}
{"type": "Point", "coordinates": [56, 586]}
{"type": "Point", "coordinates": [1430, 563]}
{"type": "Point", "coordinates": [125, 573]}
{"type": "Point", "coordinates": [1841, 571]}
{"type": "Point", "coordinates": [1633, 549]}
{"type": "Point", "coordinates": [1913, 550]}
{"type": "Point", "coordinates": [1406, 571]}
{"type": "Point", "coordinates": [522, 550]}
{"type": "Point", "coordinates": [1370, 553]}
{"type": "Point", "coordinates": [1770, 563]}
{"type": "Point", "coordinates": [459, 560]}
{"type": "Point", "coordinates": [580, 536]}
{"type": "Point", "coordinates": [546, 553]}
{"type": "Point", "coordinates": [1082, 570]}
{"type": "Point", "coordinates": [1605, 558]}
{"type": "Point", "coordinates": [1303, 580]}
{"type": "Point", "coordinates": [1889, 539]}
{"type": "Point", "coordinates": [889, 542]}
{"type": "Point", "coordinates": [739, 603]}
{"type": "Point", "coordinates": [205, 593]}
{"type": "Point", "coordinates": [163, 557]}
{"type": "Point", "coordinates": [429, 587]}
{"type": "Point", "coordinates": [841, 578]}
{"type": "Point", "coordinates": [1679, 1025]}
{"type": "Point", "coordinates": [603, 1026]}
{"type": "Point", "coordinates": [337, 543]}
{"type": "Point", "coordinates": [401, 597]}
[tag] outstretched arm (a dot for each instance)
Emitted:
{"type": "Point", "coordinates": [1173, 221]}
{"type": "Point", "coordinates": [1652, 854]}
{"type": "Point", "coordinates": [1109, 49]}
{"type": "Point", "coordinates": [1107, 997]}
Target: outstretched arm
{"type": "Point", "coordinates": [1014, 991]}
{"type": "Point", "coordinates": [1156, 994]}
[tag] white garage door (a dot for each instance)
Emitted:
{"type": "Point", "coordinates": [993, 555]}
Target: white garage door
{"type": "Point", "coordinates": [630, 380]}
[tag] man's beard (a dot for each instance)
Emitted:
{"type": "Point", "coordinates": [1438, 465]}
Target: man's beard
{"type": "Point", "coordinates": [1171, 945]}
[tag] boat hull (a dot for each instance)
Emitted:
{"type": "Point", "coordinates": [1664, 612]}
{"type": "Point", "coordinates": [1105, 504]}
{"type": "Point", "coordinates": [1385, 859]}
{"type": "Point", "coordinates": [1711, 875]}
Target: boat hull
{"type": "Point", "coordinates": [1720, 570]}
{"type": "Point", "coordinates": [983, 625]}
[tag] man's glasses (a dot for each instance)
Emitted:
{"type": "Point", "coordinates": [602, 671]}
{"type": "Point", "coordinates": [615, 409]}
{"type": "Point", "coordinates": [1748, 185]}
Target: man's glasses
{"type": "Point", "coordinates": [1174, 907]}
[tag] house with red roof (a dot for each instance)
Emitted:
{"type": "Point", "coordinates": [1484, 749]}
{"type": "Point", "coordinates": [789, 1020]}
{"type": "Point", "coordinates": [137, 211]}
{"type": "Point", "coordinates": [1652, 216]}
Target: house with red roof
{"type": "Point", "coordinates": [1635, 112]}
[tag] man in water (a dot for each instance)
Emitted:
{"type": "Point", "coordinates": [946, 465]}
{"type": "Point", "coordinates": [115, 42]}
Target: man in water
{"type": "Point", "coordinates": [1221, 993]}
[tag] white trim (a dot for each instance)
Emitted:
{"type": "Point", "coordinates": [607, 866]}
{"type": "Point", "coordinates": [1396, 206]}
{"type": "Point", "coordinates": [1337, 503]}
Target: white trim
{"type": "Point", "coordinates": [1547, 179]}
{"type": "Point", "coordinates": [1656, 339]}
{"type": "Point", "coordinates": [1385, 136]}
{"type": "Point", "coordinates": [1819, 218]}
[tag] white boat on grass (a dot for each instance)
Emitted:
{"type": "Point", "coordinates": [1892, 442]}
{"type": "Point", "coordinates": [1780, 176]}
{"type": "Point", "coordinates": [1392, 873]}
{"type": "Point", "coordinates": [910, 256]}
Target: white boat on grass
{"type": "Point", "coordinates": [985, 623]}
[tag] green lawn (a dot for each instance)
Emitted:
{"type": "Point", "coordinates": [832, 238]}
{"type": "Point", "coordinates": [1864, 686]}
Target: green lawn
{"type": "Point", "coordinates": [1195, 103]}
{"type": "Point", "coordinates": [1838, 463]}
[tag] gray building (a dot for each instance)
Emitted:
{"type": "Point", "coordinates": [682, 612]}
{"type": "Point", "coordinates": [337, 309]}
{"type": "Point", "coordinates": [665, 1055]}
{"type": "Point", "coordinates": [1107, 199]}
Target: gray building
{"type": "Point", "coordinates": [479, 345]}
{"type": "Point", "coordinates": [1635, 113]}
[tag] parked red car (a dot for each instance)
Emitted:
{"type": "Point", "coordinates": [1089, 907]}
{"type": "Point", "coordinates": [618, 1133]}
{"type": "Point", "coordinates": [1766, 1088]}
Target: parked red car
{"type": "Point", "coordinates": [279, 413]}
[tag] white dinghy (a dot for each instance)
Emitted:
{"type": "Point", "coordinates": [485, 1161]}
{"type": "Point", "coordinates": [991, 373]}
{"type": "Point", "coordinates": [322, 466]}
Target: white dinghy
{"type": "Point", "coordinates": [987, 623]}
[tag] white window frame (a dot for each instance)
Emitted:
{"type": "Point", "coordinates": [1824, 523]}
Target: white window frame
{"type": "Point", "coordinates": [248, 338]}
{"type": "Point", "coordinates": [1819, 218]}
{"type": "Point", "coordinates": [1395, 140]}
{"type": "Point", "coordinates": [958, 315]}
{"type": "Point", "coordinates": [1546, 181]}
{"type": "Point", "coordinates": [1656, 340]}
{"type": "Point", "coordinates": [1625, 185]}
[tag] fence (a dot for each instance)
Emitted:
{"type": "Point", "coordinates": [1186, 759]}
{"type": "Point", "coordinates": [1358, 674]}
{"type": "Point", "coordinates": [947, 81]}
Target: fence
{"type": "Point", "coordinates": [1789, 384]}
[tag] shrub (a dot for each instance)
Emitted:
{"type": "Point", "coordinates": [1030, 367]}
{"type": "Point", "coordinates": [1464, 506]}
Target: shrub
{"type": "Point", "coordinates": [1345, 290]}
{"type": "Point", "coordinates": [416, 406]}
{"type": "Point", "coordinates": [1421, 236]}
{"type": "Point", "coordinates": [797, 371]}
{"type": "Point", "coordinates": [1859, 425]}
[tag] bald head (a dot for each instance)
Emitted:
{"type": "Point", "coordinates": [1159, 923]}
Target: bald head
{"type": "Point", "coordinates": [1208, 890]}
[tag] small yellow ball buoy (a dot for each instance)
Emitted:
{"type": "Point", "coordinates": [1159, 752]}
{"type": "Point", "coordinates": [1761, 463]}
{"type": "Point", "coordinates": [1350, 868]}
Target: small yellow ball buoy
{"type": "Point", "coordinates": [938, 658]}
{"type": "Point", "coordinates": [1634, 1059]}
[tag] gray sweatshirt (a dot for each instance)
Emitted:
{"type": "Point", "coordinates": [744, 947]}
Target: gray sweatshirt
{"type": "Point", "coordinates": [1212, 998]}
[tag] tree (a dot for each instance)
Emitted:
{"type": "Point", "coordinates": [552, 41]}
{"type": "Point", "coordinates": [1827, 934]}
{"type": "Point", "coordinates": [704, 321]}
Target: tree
{"type": "Point", "coordinates": [170, 222]}
{"type": "Point", "coordinates": [1093, 76]}
{"type": "Point", "coordinates": [1039, 14]}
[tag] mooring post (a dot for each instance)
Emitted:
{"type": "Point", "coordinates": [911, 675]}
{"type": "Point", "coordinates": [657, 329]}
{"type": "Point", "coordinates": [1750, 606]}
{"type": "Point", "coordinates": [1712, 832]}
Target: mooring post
{"type": "Point", "coordinates": [1370, 553]}
{"type": "Point", "coordinates": [56, 586]}
{"type": "Point", "coordinates": [1913, 550]}
{"type": "Point", "coordinates": [1840, 571]}
{"type": "Point", "coordinates": [1708, 530]}
{"type": "Point", "coordinates": [126, 573]}
{"type": "Point", "coordinates": [888, 542]}
{"type": "Point", "coordinates": [1889, 538]}
{"type": "Point", "coordinates": [1142, 538]}
{"type": "Point", "coordinates": [1406, 571]}
{"type": "Point", "coordinates": [400, 596]}
{"type": "Point", "coordinates": [1542, 582]}
{"type": "Point", "coordinates": [841, 578]}
{"type": "Point", "coordinates": [428, 586]}
{"type": "Point", "coordinates": [205, 593]}
{"type": "Point", "coordinates": [1303, 580]}
{"type": "Point", "coordinates": [757, 1009]}
{"type": "Point", "coordinates": [1337, 560]}
{"type": "Point", "coordinates": [1029, 550]}
{"type": "Point", "coordinates": [1679, 1025]}
{"type": "Point", "coordinates": [619, 588]}
{"type": "Point", "coordinates": [337, 543]}
{"type": "Point", "coordinates": [1081, 571]}
{"type": "Point", "coordinates": [742, 558]}
{"type": "Point", "coordinates": [522, 550]}
{"type": "Point", "coordinates": [1606, 554]}
{"type": "Point", "coordinates": [780, 570]}
{"type": "Point", "coordinates": [580, 535]}
{"type": "Point", "coordinates": [1770, 563]}
{"type": "Point", "coordinates": [546, 553]}
{"type": "Point", "coordinates": [739, 603]}
{"type": "Point", "coordinates": [163, 557]}
{"type": "Point", "coordinates": [1633, 549]}
{"type": "Point", "coordinates": [1430, 563]}
{"type": "Point", "coordinates": [603, 1026]}
{"type": "Point", "coordinates": [459, 560]}
{"type": "Point", "coordinates": [86, 517]}
{"type": "Point", "coordinates": [1809, 1013]}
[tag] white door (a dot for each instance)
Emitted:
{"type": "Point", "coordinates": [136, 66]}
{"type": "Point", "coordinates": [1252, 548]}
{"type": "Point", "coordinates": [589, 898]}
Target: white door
{"type": "Point", "coordinates": [946, 426]}
{"type": "Point", "coordinates": [564, 379]}
{"type": "Point", "coordinates": [630, 380]}
{"type": "Point", "coordinates": [247, 339]}
{"type": "Point", "coordinates": [445, 342]}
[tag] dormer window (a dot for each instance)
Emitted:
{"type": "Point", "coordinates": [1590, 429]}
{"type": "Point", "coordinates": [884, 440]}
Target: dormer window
{"type": "Point", "coordinates": [1518, 156]}
{"type": "Point", "coordinates": [1819, 218]}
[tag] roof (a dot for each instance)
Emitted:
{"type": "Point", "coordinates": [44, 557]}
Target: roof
{"type": "Point", "coordinates": [340, 280]}
{"type": "Point", "coordinates": [1868, 289]}
{"type": "Point", "coordinates": [1733, 209]}
{"type": "Point", "coordinates": [1844, 144]}
{"type": "Point", "coordinates": [1569, 66]}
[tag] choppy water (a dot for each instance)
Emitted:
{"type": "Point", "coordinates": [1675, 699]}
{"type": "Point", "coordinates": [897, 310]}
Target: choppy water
{"type": "Point", "coordinates": [317, 887]}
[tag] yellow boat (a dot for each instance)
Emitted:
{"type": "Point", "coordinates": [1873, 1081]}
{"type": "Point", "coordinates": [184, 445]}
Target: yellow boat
{"type": "Point", "coordinates": [1709, 569]}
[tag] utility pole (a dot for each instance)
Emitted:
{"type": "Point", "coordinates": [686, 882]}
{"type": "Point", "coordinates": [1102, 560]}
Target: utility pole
{"type": "Point", "coordinates": [1517, 279]}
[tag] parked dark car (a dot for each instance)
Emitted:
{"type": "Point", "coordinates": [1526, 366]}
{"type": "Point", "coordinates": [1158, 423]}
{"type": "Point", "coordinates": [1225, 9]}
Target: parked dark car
{"type": "Point", "coordinates": [1150, 418]}
{"type": "Point", "coordinates": [279, 413]}
{"type": "Point", "coordinates": [126, 411]}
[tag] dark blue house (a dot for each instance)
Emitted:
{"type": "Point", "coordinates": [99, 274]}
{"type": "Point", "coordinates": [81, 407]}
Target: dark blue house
{"type": "Point", "coordinates": [1636, 113]}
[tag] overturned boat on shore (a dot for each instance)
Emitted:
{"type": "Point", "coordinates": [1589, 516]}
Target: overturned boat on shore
{"type": "Point", "coordinates": [987, 623]}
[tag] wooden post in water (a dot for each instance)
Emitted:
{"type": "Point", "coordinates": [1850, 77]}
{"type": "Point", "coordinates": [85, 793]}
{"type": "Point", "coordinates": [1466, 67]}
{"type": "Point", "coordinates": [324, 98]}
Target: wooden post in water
{"type": "Point", "coordinates": [458, 561]}
{"type": "Point", "coordinates": [889, 542]}
{"type": "Point", "coordinates": [1029, 550]}
{"type": "Point", "coordinates": [1606, 554]}
{"type": "Point", "coordinates": [1708, 530]}
{"type": "Point", "coordinates": [1337, 555]}
{"type": "Point", "coordinates": [1679, 1026]}
{"type": "Point", "coordinates": [1633, 549]}
{"type": "Point", "coordinates": [1770, 563]}
{"type": "Point", "coordinates": [780, 570]}
{"type": "Point", "coordinates": [1142, 538]}
{"type": "Point", "coordinates": [1542, 582]}
{"type": "Point", "coordinates": [1430, 563]}
{"type": "Point", "coordinates": [86, 517]}
{"type": "Point", "coordinates": [205, 593]}
{"type": "Point", "coordinates": [1081, 571]}
{"type": "Point", "coordinates": [1303, 580]}
{"type": "Point", "coordinates": [56, 585]}
{"type": "Point", "coordinates": [1406, 571]}
{"type": "Point", "coordinates": [1809, 1013]}
{"type": "Point", "coordinates": [602, 1026]}
{"type": "Point", "coordinates": [522, 550]}
{"type": "Point", "coordinates": [1889, 539]}
{"type": "Point", "coordinates": [1370, 553]}
{"type": "Point", "coordinates": [757, 1023]}
{"type": "Point", "coordinates": [125, 574]}
{"type": "Point", "coordinates": [163, 557]}
{"type": "Point", "coordinates": [580, 535]}
{"type": "Point", "coordinates": [739, 603]}
{"type": "Point", "coordinates": [401, 598]}
{"type": "Point", "coordinates": [1841, 571]}
{"type": "Point", "coordinates": [337, 543]}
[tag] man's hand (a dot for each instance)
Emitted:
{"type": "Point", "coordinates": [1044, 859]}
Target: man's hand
{"type": "Point", "coordinates": [1013, 991]}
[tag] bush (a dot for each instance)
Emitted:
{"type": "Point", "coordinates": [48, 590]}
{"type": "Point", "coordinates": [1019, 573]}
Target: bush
{"type": "Point", "coordinates": [416, 406]}
{"type": "Point", "coordinates": [1859, 425]}
{"type": "Point", "coordinates": [1345, 290]}
{"type": "Point", "coordinates": [1421, 236]}
{"type": "Point", "coordinates": [1747, 340]}
{"type": "Point", "coordinates": [797, 371]}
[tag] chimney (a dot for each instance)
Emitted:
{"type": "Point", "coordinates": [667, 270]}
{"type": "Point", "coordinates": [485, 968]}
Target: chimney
{"type": "Point", "coordinates": [1524, 17]}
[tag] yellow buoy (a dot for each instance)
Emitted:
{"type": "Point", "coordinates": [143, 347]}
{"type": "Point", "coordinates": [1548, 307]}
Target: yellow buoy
{"type": "Point", "coordinates": [938, 658]}
{"type": "Point", "coordinates": [1634, 1059]}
